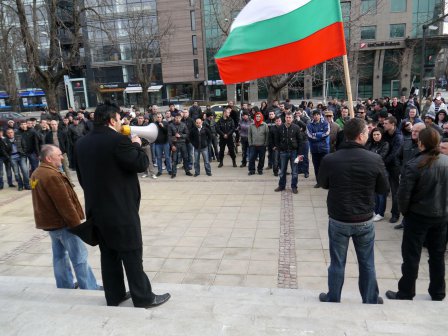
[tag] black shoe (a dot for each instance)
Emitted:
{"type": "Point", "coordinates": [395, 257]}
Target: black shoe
{"type": "Point", "coordinates": [19, 188]}
{"type": "Point", "coordinates": [234, 164]}
{"type": "Point", "coordinates": [288, 173]}
{"type": "Point", "coordinates": [173, 176]}
{"type": "Point", "coordinates": [158, 300]}
{"type": "Point", "coordinates": [269, 167]}
{"type": "Point", "coordinates": [28, 188]}
{"type": "Point", "coordinates": [126, 297]}
{"type": "Point", "coordinates": [188, 173]}
{"type": "Point", "coordinates": [295, 191]}
{"type": "Point", "coordinates": [316, 186]}
{"type": "Point", "coordinates": [209, 174]}
{"type": "Point", "coordinates": [1, 187]}
{"type": "Point", "coordinates": [251, 173]}
{"type": "Point", "coordinates": [398, 226]}
{"type": "Point", "coordinates": [75, 285]}
{"type": "Point", "coordinates": [196, 175]}
{"type": "Point", "coordinates": [243, 165]}
{"type": "Point", "coordinates": [220, 164]}
{"type": "Point", "coordinates": [392, 295]}
{"type": "Point", "coordinates": [306, 175]}
{"type": "Point", "coordinates": [323, 297]}
{"type": "Point", "coordinates": [260, 173]}
{"type": "Point", "coordinates": [278, 189]}
{"type": "Point", "coordinates": [394, 219]}
{"type": "Point", "coordinates": [275, 174]}
{"type": "Point", "coordinates": [380, 300]}
{"type": "Point", "coordinates": [12, 186]}
{"type": "Point", "coordinates": [158, 174]}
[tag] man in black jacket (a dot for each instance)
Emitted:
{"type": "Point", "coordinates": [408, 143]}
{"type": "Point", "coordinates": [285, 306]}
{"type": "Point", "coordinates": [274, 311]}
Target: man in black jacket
{"type": "Point", "coordinates": [178, 132]}
{"type": "Point", "coordinates": [58, 136]}
{"type": "Point", "coordinates": [200, 138]}
{"type": "Point", "coordinates": [5, 160]}
{"type": "Point", "coordinates": [225, 128]}
{"type": "Point", "coordinates": [107, 165]}
{"type": "Point", "coordinates": [353, 175]}
{"type": "Point", "coordinates": [289, 142]}
{"type": "Point", "coordinates": [30, 142]}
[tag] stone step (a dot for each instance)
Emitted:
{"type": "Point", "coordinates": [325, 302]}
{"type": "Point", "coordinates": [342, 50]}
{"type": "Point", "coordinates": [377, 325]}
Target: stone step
{"type": "Point", "coordinates": [33, 306]}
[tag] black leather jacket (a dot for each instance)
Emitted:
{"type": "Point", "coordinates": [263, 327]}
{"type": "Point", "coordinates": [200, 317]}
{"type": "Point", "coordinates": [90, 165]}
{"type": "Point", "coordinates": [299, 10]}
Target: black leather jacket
{"type": "Point", "coordinates": [353, 175]}
{"type": "Point", "coordinates": [225, 126]}
{"type": "Point", "coordinates": [289, 138]}
{"type": "Point", "coordinates": [424, 191]}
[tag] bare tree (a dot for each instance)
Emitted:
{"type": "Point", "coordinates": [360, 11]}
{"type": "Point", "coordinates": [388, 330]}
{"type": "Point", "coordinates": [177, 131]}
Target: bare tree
{"type": "Point", "coordinates": [9, 53]}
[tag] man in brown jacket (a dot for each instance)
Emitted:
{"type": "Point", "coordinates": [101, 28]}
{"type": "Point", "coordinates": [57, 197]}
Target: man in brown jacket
{"type": "Point", "coordinates": [56, 208]}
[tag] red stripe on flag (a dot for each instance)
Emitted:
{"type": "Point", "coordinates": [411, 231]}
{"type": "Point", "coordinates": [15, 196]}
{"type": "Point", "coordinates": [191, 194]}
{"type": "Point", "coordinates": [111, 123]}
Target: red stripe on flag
{"type": "Point", "coordinates": [323, 45]}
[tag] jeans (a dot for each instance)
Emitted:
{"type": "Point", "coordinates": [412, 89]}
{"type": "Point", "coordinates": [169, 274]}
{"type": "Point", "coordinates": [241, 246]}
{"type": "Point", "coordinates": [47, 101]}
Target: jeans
{"type": "Point", "coordinates": [180, 153]}
{"type": "Point", "coordinates": [286, 157]}
{"type": "Point", "coordinates": [163, 149]}
{"type": "Point", "coordinates": [380, 204]}
{"type": "Point", "coordinates": [416, 230]}
{"type": "Point", "coordinates": [363, 235]}
{"type": "Point", "coordinates": [66, 245]}
{"type": "Point", "coordinates": [197, 162]}
{"type": "Point", "coordinates": [276, 161]}
{"type": "Point", "coordinates": [20, 169]}
{"type": "Point", "coordinates": [245, 150]}
{"type": "Point", "coordinates": [148, 152]}
{"type": "Point", "coordinates": [190, 149]}
{"type": "Point", "coordinates": [34, 162]}
{"type": "Point", "coordinates": [213, 148]}
{"type": "Point", "coordinates": [255, 151]}
{"type": "Point", "coordinates": [7, 165]}
{"type": "Point", "coordinates": [304, 166]}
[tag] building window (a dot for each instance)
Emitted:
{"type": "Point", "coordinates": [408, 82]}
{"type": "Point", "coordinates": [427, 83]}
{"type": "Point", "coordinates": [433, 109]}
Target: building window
{"type": "Point", "coordinates": [192, 3]}
{"type": "Point", "coordinates": [368, 33]}
{"type": "Point", "coordinates": [368, 6]}
{"type": "Point", "coordinates": [196, 68]}
{"type": "Point", "coordinates": [398, 6]}
{"type": "Point", "coordinates": [194, 42]}
{"type": "Point", "coordinates": [397, 30]}
{"type": "Point", "coordinates": [193, 20]}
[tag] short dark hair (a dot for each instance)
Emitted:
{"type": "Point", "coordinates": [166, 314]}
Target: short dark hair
{"type": "Point", "coordinates": [104, 112]}
{"type": "Point", "coordinates": [392, 120]}
{"type": "Point", "coordinates": [353, 128]}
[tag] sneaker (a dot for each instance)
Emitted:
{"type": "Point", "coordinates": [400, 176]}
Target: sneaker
{"type": "Point", "coordinates": [377, 218]}
{"type": "Point", "coordinates": [260, 173]}
{"type": "Point", "coordinates": [380, 300]}
{"type": "Point", "coordinates": [251, 173]}
{"type": "Point", "coordinates": [391, 295]}
{"type": "Point", "coordinates": [144, 175]}
{"type": "Point", "coordinates": [153, 176]}
{"type": "Point", "coordinates": [188, 173]}
{"type": "Point", "coordinates": [275, 174]}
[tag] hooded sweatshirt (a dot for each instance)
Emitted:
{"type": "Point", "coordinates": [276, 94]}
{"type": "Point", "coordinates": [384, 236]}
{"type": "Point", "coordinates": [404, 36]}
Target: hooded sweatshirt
{"type": "Point", "coordinates": [258, 132]}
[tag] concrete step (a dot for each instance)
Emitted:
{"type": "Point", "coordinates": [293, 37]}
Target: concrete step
{"type": "Point", "coordinates": [33, 306]}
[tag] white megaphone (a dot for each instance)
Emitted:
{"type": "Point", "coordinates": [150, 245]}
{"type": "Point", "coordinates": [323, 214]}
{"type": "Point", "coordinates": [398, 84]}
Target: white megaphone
{"type": "Point", "coordinates": [146, 132]}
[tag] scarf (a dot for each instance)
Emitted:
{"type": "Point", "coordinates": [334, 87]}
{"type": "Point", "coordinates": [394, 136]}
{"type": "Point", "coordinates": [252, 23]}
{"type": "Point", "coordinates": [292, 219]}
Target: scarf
{"type": "Point", "coordinates": [258, 123]}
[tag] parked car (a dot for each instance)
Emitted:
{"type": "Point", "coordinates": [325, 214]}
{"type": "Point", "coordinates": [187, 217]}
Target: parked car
{"type": "Point", "coordinates": [218, 109]}
{"type": "Point", "coordinates": [5, 116]}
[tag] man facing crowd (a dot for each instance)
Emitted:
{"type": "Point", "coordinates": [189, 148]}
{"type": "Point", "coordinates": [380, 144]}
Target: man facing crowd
{"type": "Point", "coordinates": [353, 175]}
{"type": "Point", "coordinates": [107, 167]}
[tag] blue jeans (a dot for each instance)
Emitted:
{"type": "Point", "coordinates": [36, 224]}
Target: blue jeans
{"type": "Point", "coordinates": [160, 149]}
{"type": "Point", "coordinates": [34, 162]}
{"type": "Point", "coordinates": [255, 151]}
{"type": "Point", "coordinates": [285, 158]}
{"type": "Point", "coordinates": [178, 155]}
{"type": "Point", "coordinates": [21, 172]}
{"type": "Point", "coordinates": [7, 164]}
{"type": "Point", "coordinates": [66, 245]}
{"type": "Point", "coordinates": [363, 235]}
{"type": "Point", "coordinates": [380, 204]}
{"type": "Point", "coordinates": [197, 162]}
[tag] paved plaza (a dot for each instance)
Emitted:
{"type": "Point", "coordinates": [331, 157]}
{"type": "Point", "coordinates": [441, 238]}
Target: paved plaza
{"type": "Point", "coordinates": [225, 245]}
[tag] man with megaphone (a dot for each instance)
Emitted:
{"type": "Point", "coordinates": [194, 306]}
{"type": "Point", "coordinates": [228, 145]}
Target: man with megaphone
{"type": "Point", "coordinates": [107, 165]}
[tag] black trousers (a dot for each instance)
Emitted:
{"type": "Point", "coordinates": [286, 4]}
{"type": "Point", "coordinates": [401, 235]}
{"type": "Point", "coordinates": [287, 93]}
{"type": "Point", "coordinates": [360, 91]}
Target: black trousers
{"type": "Point", "coordinates": [317, 159]}
{"type": "Point", "coordinates": [416, 230]}
{"type": "Point", "coordinates": [112, 263]}
{"type": "Point", "coordinates": [394, 181]}
{"type": "Point", "coordinates": [222, 146]}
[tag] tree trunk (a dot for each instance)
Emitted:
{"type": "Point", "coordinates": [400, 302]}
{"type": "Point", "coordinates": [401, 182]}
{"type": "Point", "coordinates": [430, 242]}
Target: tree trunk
{"type": "Point", "coordinates": [51, 91]}
{"type": "Point", "coordinates": [145, 97]}
{"type": "Point", "coordinates": [272, 93]}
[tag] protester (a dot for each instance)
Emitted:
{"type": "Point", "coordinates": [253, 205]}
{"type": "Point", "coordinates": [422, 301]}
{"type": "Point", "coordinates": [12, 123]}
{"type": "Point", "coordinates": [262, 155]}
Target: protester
{"type": "Point", "coordinates": [162, 145]}
{"type": "Point", "coordinates": [213, 145]}
{"type": "Point", "coordinates": [5, 160]}
{"type": "Point", "coordinates": [288, 144]}
{"type": "Point", "coordinates": [352, 175]}
{"type": "Point", "coordinates": [318, 132]}
{"type": "Point", "coordinates": [58, 137]}
{"type": "Point", "coordinates": [244, 133]}
{"type": "Point", "coordinates": [107, 168]}
{"type": "Point", "coordinates": [423, 201]}
{"type": "Point", "coordinates": [56, 209]}
{"type": "Point", "coordinates": [17, 154]}
{"type": "Point", "coordinates": [258, 138]}
{"type": "Point", "coordinates": [200, 137]}
{"type": "Point", "coordinates": [179, 134]}
{"type": "Point", "coordinates": [225, 128]}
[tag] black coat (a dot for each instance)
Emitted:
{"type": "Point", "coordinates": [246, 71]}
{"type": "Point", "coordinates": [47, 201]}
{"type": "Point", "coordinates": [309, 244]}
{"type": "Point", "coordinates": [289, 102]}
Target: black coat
{"type": "Point", "coordinates": [200, 140]}
{"type": "Point", "coordinates": [62, 138]}
{"type": "Point", "coordinates": [353, 175]}
{"type": "Point", "coordinates": [424, 191]}
{"type": "Point", "coordinates": [107, 164]}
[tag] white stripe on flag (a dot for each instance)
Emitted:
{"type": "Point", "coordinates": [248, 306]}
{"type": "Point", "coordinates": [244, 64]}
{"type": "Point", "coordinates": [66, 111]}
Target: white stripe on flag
{"type": "Point", "coordinates": [260, 10]}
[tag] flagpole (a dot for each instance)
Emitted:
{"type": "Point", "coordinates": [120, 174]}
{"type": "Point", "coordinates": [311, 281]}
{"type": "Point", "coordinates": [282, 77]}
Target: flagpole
{"type": "Point", "coordinates": [348, 86]}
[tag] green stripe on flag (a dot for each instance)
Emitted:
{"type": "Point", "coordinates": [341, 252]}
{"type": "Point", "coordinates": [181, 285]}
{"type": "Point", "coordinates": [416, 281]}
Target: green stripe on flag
{"type": "Point", "coordinates": [283, 29]}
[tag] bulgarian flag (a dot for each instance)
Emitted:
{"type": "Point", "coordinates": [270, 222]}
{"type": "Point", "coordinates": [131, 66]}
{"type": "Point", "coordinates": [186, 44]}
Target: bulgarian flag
{"type": "Point", "coordinates": [280, 36]}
